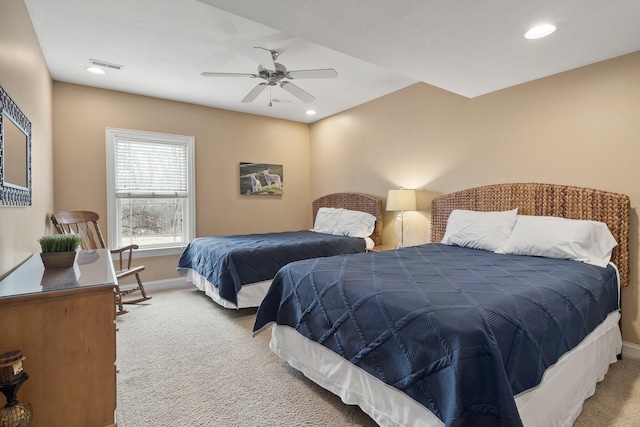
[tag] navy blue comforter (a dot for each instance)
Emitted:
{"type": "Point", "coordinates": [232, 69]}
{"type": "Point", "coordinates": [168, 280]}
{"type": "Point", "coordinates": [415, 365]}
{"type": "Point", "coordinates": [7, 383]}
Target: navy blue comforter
{"type": "Point", "coordinates": [459, 330]}
{"type": "Point", "coordinates": [232, 261]}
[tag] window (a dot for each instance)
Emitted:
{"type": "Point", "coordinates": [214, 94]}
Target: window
{"type": "Point", "coordinates": [150, 191]}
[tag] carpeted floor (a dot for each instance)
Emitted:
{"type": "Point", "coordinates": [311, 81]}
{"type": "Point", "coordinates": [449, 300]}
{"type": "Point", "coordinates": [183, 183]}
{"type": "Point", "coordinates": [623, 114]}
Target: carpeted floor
{"type": "Point", "coordinates": [184, 361]}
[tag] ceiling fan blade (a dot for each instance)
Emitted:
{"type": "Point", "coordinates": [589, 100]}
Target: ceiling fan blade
{"type": "Point", "coordinates": [207, 74]}
{"type": "Point", "coordinates": [254, 93]}
{"type": "Point", "coordinates": [267, 56]}
{"type": "Point", "coordinates": [322, 73]}
{"type": "Point", "coordinates": [297, 92]}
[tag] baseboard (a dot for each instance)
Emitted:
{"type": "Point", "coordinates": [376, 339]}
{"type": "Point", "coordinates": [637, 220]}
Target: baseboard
{"type": "Point", "coordinates": [630, 350]}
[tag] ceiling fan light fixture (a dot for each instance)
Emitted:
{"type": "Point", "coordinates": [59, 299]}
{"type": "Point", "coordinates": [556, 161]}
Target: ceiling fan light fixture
{"type": "Point", "coordinates": [539, 31]}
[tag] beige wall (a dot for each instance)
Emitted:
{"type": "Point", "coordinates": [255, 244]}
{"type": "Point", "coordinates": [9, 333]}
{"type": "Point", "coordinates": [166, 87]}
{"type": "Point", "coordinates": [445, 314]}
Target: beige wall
{"type": "Point", "coordinates": [579, 128]}
{"type": "Point", "coordinates": [25, 77]}
{"type": "Point", "coordinates": [223, 140]}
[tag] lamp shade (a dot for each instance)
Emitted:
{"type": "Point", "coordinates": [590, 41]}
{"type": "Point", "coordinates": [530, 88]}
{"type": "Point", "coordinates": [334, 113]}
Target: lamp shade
{"type": "Point", "coordinates": [401, 200]}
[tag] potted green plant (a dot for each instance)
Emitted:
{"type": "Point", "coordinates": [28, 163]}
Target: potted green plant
{"type": "Point", "coordinates": [59, 250]}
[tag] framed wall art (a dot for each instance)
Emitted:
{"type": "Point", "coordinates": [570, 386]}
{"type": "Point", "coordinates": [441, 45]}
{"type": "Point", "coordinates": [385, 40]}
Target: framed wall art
{"type": "Point", "coordinates": [15, 154]}
{"type": "Point", "coordinates": [261, 178]}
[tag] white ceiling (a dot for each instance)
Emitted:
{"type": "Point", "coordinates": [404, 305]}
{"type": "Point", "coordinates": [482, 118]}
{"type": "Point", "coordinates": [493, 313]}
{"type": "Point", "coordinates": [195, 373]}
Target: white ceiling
{"type": "Point", "coordinates": [377, 46]}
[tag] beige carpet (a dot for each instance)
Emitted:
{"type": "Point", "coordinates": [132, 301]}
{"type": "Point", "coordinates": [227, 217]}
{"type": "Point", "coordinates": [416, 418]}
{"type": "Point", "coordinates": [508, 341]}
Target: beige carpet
{"type": "Point", "coordinates": [185, 361]}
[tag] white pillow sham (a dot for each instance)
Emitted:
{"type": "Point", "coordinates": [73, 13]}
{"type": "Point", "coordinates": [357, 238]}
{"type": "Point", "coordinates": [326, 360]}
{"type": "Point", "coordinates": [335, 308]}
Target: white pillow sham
{"type": "Point", "coordinates": [479, 230]}
{"type": "Point", "coordinates": [344, 222]}
{"type": "Point", "coordinates": [580, 240]}
{"type": "Point", "coordinates": [355, 224]}
{"type": "Point", "coordinates": [327, 220]}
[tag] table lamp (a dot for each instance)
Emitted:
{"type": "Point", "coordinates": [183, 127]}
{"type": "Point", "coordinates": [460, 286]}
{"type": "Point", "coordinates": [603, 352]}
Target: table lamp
{"type": "Point", "coordinates": [401, 200]}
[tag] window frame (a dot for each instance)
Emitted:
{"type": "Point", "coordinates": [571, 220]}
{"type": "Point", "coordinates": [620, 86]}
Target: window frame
{"type": "Point", "coordinates": [113, 223]}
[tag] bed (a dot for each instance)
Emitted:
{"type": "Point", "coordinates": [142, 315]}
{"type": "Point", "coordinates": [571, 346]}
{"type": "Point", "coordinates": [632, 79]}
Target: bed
{"type": "Point", "coordinates": [447, 334]}
{"type": "Point", "coordinates": [236, 271]}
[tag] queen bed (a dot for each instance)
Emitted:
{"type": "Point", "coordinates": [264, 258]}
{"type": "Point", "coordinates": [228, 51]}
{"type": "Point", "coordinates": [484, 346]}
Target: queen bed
{"type": "Point", "coordinates": [509, 327]}
{"type": "Point", "coordinates": [236, 271]}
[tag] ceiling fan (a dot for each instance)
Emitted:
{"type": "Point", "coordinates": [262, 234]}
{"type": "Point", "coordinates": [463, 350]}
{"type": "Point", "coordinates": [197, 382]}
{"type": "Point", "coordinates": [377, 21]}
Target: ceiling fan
{"type": "Point", "coordinates": [279, 75]}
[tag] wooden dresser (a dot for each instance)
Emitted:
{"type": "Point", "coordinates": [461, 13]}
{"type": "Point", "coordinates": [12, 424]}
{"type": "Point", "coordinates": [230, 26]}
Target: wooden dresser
{"type": "Point", "coordinates": [62, 320]}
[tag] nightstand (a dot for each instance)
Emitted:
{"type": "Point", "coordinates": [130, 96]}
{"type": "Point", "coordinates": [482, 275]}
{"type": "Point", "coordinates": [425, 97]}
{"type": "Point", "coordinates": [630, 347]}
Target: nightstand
{"type": "Point", "coordinates": [381, 248]}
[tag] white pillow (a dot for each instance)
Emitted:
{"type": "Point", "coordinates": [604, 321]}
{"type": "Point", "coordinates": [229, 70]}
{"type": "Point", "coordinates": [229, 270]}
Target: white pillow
{"type": "Point", "coordinates": [355, 224]}
{"type": "Point", "coordinates": [580, 240]}
{"type": "Point", "coordinates": [479, 230]}
{"type": "Point", "coordinates": [327, 220]}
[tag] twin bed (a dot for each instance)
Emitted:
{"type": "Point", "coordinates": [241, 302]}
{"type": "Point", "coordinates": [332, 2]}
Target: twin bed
{"type": "Point", "coordinates": [236, 271]}
{"type": "Point", "coordinates": [492, 329]}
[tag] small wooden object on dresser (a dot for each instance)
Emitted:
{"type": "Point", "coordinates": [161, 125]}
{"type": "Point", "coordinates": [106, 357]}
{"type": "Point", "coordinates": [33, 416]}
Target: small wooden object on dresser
{"type": "Point", "coordinates": [59, 251]}
{"type": "Point", "coordinates": [15, 413]}
{"type": "Point", "coordinates": [68, 333]}
{"type": "Point", "coordinates": [58, 259]}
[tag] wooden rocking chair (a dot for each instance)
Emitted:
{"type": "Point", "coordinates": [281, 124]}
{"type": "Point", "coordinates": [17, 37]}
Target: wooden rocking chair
{"type": "Point", "coordinates": [85, 224]}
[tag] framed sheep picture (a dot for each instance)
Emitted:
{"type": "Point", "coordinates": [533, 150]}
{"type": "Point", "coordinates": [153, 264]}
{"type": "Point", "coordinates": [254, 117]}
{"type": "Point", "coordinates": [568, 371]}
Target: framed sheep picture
{"type": "Point", "coordinates": [261, 178]}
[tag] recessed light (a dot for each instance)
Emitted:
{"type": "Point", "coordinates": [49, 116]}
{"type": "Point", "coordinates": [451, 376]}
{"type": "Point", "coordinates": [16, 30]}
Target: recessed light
{"type": "Point", "coordinates": [540, 31]}
{"type": "Point", "coordinates": [311, 113]}
{"type": "Point", "coordinates": [95, 70]}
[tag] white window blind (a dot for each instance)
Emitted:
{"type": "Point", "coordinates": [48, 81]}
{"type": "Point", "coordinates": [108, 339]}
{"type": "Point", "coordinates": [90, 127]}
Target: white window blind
{"type": "Point", "coordinates": [150, 169]}
{"type": "Point", "coordinates": [150, 190]}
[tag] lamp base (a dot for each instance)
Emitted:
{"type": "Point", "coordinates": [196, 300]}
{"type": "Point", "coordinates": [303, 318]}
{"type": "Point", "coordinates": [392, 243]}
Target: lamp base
{"type": "Point", "coordinates": [399, 225]}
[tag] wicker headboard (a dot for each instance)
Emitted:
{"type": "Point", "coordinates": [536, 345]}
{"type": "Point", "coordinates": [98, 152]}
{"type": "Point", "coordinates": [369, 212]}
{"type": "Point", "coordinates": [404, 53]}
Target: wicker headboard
{"type": "Point", "coordinates": [545, 200]}
{"type": "Point", "coordinates": [355, 202]}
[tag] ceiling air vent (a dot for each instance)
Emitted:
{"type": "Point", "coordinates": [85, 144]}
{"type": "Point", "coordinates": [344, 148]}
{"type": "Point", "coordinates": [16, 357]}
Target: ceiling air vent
{"type": "Point", "coordinates": [104, 64]}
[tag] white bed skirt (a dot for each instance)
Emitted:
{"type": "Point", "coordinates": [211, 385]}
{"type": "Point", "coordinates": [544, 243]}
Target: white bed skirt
{"type": "Point", "coordinates": [249, 296]}
{"type": "Point", "coordinates": [556, 402]}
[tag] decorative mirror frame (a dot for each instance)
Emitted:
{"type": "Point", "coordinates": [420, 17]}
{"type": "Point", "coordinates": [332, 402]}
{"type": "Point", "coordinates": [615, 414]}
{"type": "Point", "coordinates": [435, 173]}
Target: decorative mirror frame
{"type": "Point", "coordinates": [11, 194]}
